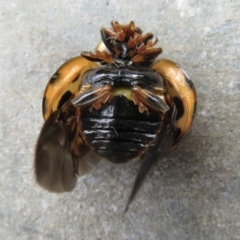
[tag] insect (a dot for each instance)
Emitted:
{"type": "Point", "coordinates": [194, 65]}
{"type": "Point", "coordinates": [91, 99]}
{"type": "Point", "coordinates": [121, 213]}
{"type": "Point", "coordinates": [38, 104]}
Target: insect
{"type": "Point", "coordinates": [119, 103]}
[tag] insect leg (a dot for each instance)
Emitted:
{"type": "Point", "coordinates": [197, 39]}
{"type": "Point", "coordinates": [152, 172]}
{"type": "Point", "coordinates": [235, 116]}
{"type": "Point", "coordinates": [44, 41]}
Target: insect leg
{"type": "Point", "coordinates": [144, 98]}
{"type": "Point", "coordinates": [93, 97]}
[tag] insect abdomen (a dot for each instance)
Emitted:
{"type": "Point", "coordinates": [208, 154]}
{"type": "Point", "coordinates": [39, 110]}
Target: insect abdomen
{"type": "Point", "coordinates": [118, 131]}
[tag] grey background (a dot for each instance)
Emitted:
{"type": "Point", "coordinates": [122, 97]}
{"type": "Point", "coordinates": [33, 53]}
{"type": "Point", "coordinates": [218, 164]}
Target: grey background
{"type": "Point", "coordinates": [192, 194]}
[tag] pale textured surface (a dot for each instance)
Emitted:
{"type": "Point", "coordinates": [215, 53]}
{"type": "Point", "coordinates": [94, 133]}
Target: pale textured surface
{"type": "Point", "coordinates": [193, 194]}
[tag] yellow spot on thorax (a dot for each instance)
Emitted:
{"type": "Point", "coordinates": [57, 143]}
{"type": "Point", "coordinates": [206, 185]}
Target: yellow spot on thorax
{"type": "Point", "coordinates": [125, 91]}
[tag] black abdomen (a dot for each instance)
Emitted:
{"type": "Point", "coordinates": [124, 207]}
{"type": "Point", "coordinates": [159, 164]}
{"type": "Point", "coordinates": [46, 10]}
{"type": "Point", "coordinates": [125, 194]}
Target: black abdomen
{"type": "Point", "coordinates": [118, 131]}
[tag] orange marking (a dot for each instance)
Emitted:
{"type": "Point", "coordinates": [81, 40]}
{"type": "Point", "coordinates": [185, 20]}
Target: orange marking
{"type": "Point", "coordinates": [67, 73]}
{"type": "Point", "coordinates": [177, 86]}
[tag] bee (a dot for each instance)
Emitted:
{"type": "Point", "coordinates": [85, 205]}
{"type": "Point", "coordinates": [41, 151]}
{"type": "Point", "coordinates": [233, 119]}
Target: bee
{"type": "Point", "coordinates": [118, 103]}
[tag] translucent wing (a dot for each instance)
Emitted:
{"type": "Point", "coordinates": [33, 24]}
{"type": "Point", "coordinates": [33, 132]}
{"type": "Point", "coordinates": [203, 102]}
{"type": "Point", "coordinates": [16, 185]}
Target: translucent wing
{"type": "Point", "coordinates": [160, 148]}
{"type": "Point", "coordinates": [56, 164]}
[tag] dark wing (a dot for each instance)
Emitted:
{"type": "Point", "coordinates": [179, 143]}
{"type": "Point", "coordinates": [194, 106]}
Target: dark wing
{"type": "Point", "coordinates": [160, 148]}
{"type": "Point", "coordinates": [56, 167]}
